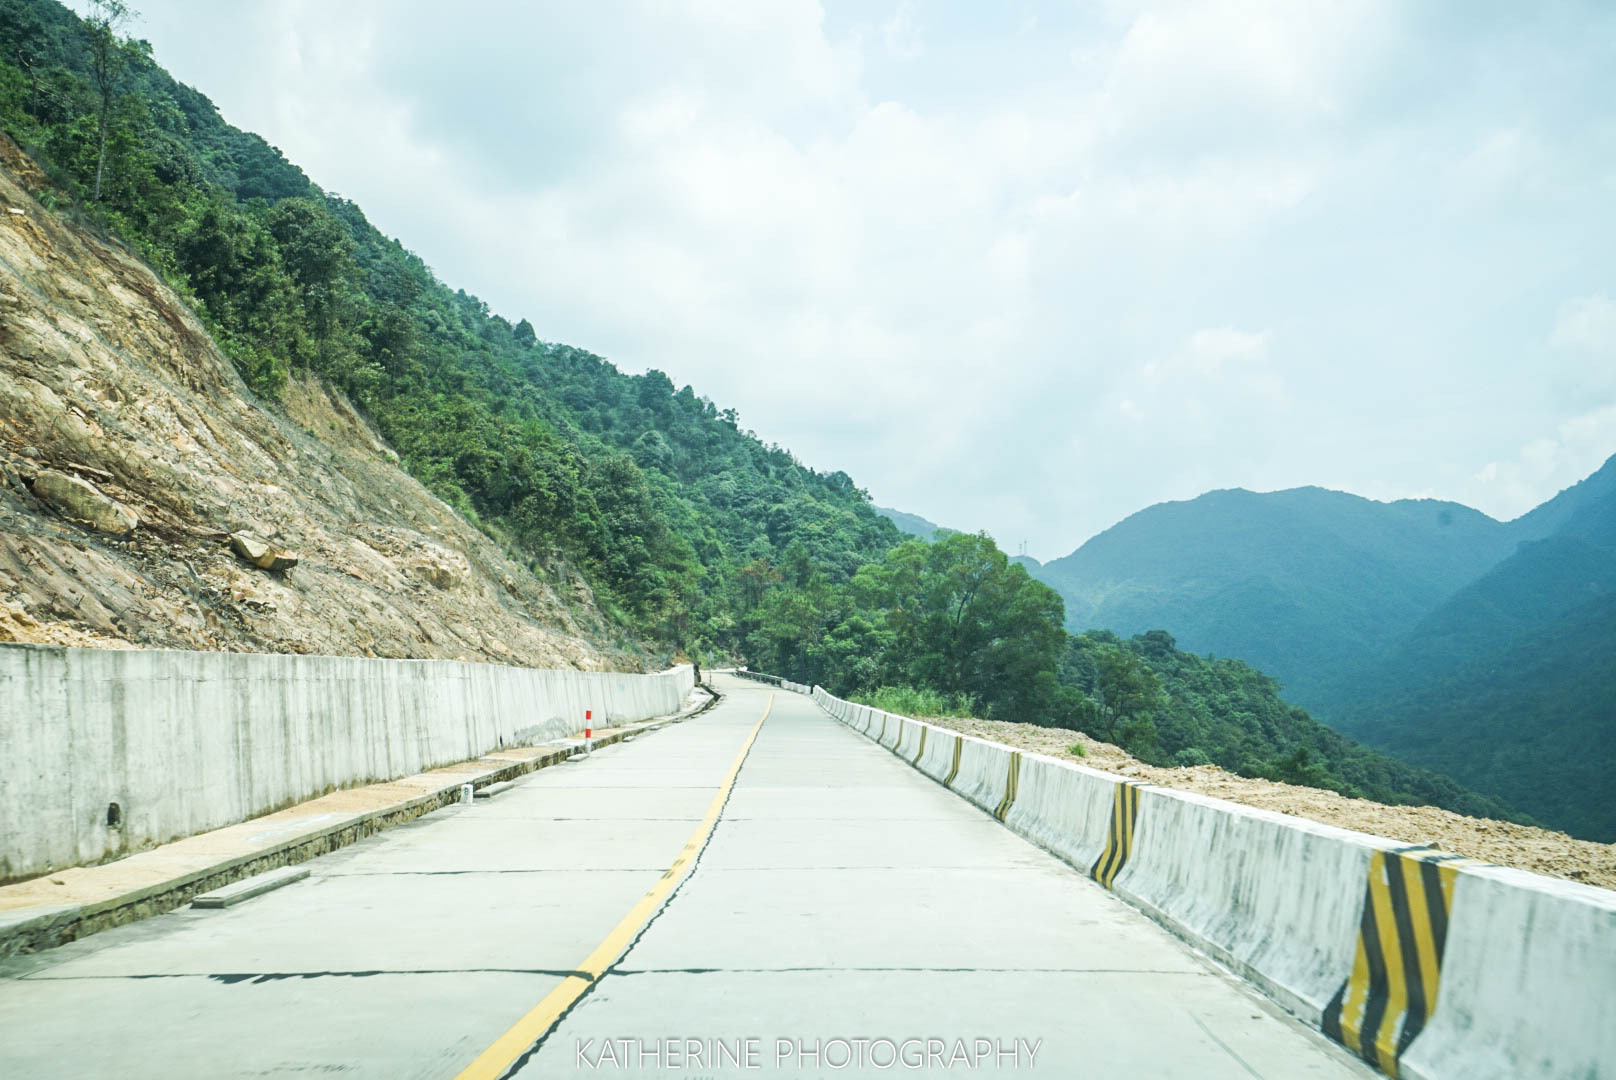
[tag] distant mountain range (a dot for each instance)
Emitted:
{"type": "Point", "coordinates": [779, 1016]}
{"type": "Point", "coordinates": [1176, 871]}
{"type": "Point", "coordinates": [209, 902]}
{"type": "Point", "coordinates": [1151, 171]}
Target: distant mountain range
{"type": "Point", "coordinates": [913, 524]}
{"type": "Point", "coordinates": [1510, 684]}
{"type": "Point", "coordinates": [1480, 648]}
{"type": "Point", "coordinates": [1301, 583]}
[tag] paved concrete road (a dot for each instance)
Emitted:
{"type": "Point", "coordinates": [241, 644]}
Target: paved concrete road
{"type": "Point", "coordinates": [834, 896]}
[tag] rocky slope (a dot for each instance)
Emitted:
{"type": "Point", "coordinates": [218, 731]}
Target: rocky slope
{"type": "Point", "coordinates": [130, 450]}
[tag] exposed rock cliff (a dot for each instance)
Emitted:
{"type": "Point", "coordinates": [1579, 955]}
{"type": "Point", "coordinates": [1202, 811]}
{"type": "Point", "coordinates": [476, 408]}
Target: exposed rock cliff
{"type": "Point", "coordinates": [130, 451]}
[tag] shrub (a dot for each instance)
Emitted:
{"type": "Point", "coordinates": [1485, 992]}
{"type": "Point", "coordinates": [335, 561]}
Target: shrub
{"type": "Point", "coordinates": [912, 701]}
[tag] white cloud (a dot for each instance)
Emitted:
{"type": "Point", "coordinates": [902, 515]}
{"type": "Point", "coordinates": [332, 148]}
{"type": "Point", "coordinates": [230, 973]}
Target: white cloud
{"type": "Point", "coordinates": [1026, 281]}
{"type": "Point", "coordinates": [1580, 445]}
{"type": "Point", "coordinates": [1235, 360]}
{"type": "Point", "coordinates": [1587, 324]}
{"type": "Point", "coordinates": [900, 33]}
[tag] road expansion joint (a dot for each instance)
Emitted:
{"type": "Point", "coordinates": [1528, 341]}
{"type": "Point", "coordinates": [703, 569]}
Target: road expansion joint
{"type": "Point", "coordinates": [858, 970]}
{"type": "Point", "coordinates": [467, 873]}
{"type": "Point", "coordinates": [593, 981]}
{"type": "Point", "coordinates": [1244, 1064]}
{"type": "Point", "coordinates": [231, 978]}
{"type": "Point", "coordinates": [517, 1046]}
{"type": "Point", "coordinates": [912, 868]}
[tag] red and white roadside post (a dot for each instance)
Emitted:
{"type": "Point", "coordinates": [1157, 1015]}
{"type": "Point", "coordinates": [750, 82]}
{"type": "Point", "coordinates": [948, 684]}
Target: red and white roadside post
{"type": "Point", "coordinates": [589, 731]}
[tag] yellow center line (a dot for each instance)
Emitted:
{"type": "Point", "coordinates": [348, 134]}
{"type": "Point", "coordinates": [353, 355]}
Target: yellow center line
{"type": "Point", "coordinates": [493, 1062]}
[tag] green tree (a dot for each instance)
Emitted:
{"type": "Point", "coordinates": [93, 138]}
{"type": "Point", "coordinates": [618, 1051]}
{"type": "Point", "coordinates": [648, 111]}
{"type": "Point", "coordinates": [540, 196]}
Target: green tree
{"type": "Point", "coordinates": [110, 58]}
{"type": "Point", "coordinates": [965, 619]}
{"type": "Point", "coordinates": [1126, 690]}
{"type": "Point", "coordinates": [27, 44]}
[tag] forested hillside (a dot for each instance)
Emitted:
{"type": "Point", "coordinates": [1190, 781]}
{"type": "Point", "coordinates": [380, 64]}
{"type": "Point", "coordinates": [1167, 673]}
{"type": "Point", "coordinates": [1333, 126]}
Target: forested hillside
{"type": "Point", "coordinates": [692, 531]}
{"type": "Point", "coordinates": [955, 627]}
{"type": "Point", "coordinates": [1510, 685]}
{"type": "Point", "coordinates": [661, 499]}
{"type": "Point", "coordinates": [1475, 647]}
{"type": "Point", "coordinates": [1304, 584]}
{"type": "Point", "coordinates": [1223, 711]}
{"type": "Point", "coordinates": [1531, 724]}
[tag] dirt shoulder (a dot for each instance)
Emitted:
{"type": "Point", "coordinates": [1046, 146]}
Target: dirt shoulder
{"type": "Point", "coordinates": [1500, 842]}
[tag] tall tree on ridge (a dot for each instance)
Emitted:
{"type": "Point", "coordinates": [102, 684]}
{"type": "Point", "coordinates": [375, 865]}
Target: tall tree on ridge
{"type": "Point", "coordinates": [110, 57]}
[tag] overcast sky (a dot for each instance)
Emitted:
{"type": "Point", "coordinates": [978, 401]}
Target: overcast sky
{"type": "Point", "coordinates": [1021, 267]}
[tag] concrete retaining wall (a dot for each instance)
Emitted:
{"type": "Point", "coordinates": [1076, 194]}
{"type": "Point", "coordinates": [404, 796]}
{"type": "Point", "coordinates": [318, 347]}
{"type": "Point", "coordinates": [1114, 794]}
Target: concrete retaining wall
{"type": "Point", "coordinates": [183, 742]}
{"type": "Point", "coordinates": [1425, 964]}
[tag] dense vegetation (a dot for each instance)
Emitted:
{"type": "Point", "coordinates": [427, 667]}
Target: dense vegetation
{"type": "Point", "coordinates": [1510, 685]}
{"type": "Point", "coordinates": [1305, 584]}
{"type": "Point", "coordinates": [1479, 648]}
{"type": "Point", "coordinates": [1531, 725]}
{"type": "Point", "coordinates": [693, 532]}
{"type": "Point", "coordinates": [1176, 708]}
{"type": "Point", "coordinates": [955, 626]}
{"type": "Point", "coordinates": [955, 617]}
{"type": "Point", "coordinates": [668, 506]}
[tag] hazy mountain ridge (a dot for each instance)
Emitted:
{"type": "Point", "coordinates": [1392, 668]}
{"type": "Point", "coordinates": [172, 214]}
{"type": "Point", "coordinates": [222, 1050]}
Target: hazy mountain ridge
{"type": "Point", "coordinates": [913, 524]}
{"type": "Point", "coordinates": [1423, 627]}
{"type": "Point", "coordinates": [1294, 582]}
{"type": "Point", "coordinates": [1510, 684]}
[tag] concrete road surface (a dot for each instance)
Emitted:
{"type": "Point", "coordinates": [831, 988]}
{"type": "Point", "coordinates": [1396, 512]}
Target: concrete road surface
{"type": "Point", "coordinates": [793, 900]}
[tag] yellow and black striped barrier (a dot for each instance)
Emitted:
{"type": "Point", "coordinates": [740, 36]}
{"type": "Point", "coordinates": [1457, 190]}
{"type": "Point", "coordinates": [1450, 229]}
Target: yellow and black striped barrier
{"type": "Point", "coordinates": [959, 745]}
{"type": "Point", "coordinates": [916, 760]}
{"type": "Point", "coordinates": [1119, 842]}
{"type": "Point", "coordinates": [1385, 1003]}
{"type": "Point", "coordinates": [1012, 781]}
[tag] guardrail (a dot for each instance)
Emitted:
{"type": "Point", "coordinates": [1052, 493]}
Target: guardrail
{"type": "Point", "coordinates": [772, 680]}
{"type": "Point", "coordinates": [758, 676]}
{"type": "Point", "coordinates": [1425, 964]}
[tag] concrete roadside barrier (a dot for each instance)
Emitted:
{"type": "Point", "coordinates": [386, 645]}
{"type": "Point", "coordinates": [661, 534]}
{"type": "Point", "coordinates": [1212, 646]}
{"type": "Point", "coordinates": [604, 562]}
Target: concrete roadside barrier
{"type": "Point", "coordinates": [1424, 964]}
{"type": "Point", "coordinates": [1528, 981]}
{"type": "Point", "coordinates": [894, 725]}
{"type": "Point", "coordinates": [1275, 898]}
{"type": "Point", "coordinates": [940, 756]}
{"type": "Point", "coordinates": [984, 773]}
{"type": "Point", "coordinates": [1070, 811]}
{"type": "Point", "coordinates": [107, 752]}
{"type": "Point", "coordinates": [45, 912]}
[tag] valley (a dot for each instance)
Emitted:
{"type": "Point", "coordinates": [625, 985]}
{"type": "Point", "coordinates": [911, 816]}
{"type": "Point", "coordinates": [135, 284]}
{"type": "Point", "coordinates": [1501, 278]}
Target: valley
{"type": "Point", "coordinates": [1474, 647]}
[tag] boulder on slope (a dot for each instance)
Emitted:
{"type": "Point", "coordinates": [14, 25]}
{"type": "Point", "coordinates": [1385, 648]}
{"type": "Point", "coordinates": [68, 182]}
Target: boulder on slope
{"type": "Point", "coordinates": [260, 552]}
{"type": "Point", "coordinates": [83, 502]}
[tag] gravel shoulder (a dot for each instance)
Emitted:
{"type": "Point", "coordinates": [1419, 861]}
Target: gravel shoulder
{"type": "Point", "coordinates": [1501, 842]}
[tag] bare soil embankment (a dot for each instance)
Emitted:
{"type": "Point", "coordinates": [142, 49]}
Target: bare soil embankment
{"type": "Point", "coordinates": [1500, 842]}
{"type": "Point", "coordinates": [117, 407]}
